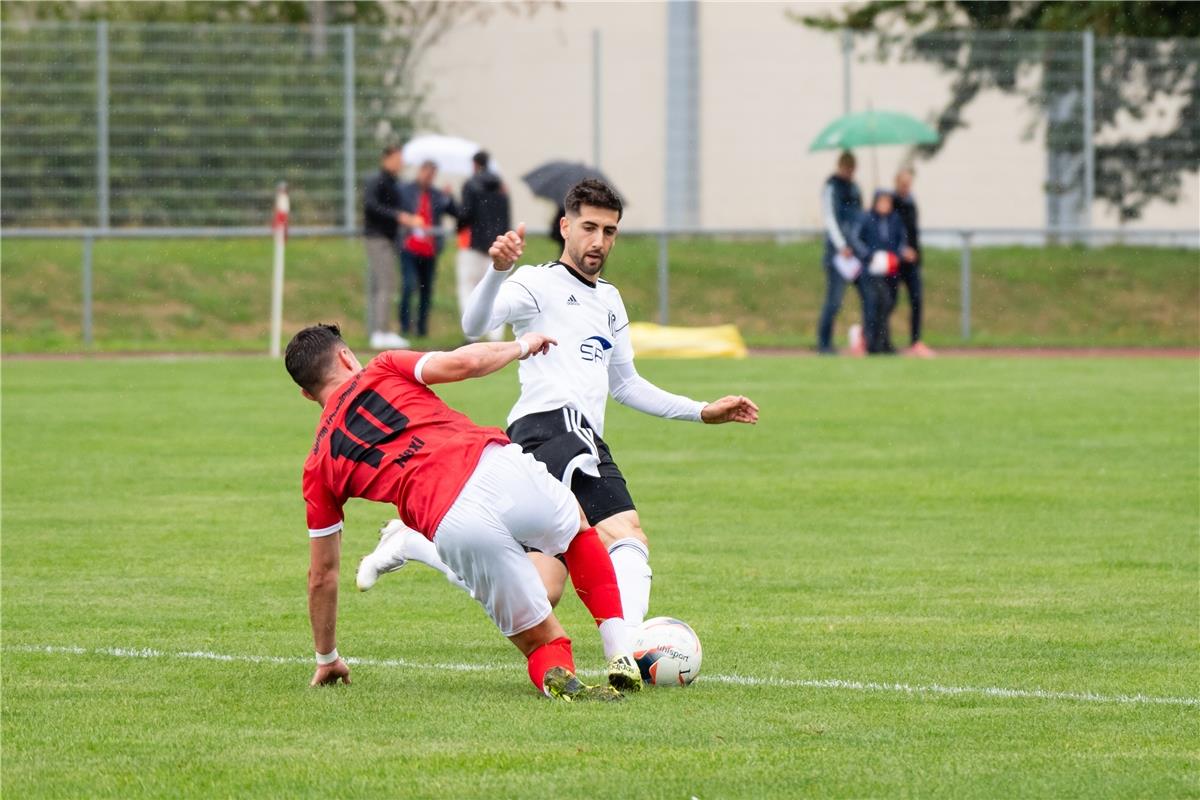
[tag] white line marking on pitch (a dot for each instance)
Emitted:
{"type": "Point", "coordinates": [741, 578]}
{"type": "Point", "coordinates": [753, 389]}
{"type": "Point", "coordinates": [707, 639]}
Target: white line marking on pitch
{"type": "Point", "coordinates": [739, 680]}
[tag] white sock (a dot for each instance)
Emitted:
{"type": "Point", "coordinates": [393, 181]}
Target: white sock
{"type": "Point", "coordinates": [418, 548]}
{"type": "Point", "coordinates": [631, 562]}
{"type": "Point", "coordinates": [615, 636]}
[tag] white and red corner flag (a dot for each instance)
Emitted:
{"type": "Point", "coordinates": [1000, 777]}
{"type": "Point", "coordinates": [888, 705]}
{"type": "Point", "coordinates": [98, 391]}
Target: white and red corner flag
{"type": "Point", "coordinates": [283, 207]}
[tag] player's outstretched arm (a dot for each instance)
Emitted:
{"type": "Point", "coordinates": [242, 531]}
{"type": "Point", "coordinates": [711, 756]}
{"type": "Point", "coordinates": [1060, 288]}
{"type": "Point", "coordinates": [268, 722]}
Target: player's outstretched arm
{"type": "Point", "coordinates": [482, 358]}
{"type": "Point", "coordinates": [325, 553]}
{"type": "Point", "coordinates": [733, 408]}
{"type": "Point", "coordinates": [485, 309]}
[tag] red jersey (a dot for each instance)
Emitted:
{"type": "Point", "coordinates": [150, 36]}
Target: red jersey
{"type": "Point", "coordinates": [385, 436]}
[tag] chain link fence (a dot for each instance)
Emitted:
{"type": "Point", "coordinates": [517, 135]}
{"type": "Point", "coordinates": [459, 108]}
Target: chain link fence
{"type": "Point", "coordinates": [160, 125]}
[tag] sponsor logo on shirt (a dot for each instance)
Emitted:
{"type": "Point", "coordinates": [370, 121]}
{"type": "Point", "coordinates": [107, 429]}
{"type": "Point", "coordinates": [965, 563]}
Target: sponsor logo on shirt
{"type": "Point", "coordinates": [593, 348]}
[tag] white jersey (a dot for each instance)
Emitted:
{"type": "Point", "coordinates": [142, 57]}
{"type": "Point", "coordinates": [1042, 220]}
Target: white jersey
{"type": "Point", "coordinates": [592, 329]}
{"type": "Point", "coordinates": [594, 356]}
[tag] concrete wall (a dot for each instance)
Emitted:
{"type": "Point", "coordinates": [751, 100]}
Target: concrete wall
{"type": "Point", "coordinates": [521, 84]}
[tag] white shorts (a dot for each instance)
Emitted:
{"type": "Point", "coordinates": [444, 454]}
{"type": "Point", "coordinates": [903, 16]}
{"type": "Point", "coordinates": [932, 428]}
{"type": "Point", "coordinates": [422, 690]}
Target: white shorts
{"type": "Point", "coordinates": [509, 501]}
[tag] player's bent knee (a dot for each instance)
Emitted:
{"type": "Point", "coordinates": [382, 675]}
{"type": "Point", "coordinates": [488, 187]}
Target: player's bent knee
{"type": "Point", "coordinates": [622, 526]}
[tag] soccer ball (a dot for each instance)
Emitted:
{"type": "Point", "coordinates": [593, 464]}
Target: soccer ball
{"type": "Point", "coordinates": [667, 652]}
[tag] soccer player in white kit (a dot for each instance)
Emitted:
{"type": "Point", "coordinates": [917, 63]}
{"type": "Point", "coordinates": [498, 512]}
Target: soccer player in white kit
{"type": "Point", "coordinates": [559, 417]}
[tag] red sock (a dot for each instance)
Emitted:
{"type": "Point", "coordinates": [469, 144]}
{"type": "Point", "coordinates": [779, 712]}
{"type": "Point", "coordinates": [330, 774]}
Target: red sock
{"type": "Point", "coordinates": [592, 573]}
{"type": "Point", "coordinates": [552, 654]}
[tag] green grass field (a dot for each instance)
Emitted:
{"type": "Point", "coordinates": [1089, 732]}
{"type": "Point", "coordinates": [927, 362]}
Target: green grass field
{"type": "Point", "coordinates": [1025, 525]}
{"type": "Point", "coordinates": [214, 295]}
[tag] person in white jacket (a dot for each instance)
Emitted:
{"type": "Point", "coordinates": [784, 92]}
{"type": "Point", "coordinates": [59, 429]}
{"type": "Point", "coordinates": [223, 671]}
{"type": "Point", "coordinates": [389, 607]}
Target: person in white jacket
{"type": "Point", "coordinates": [559, 417]}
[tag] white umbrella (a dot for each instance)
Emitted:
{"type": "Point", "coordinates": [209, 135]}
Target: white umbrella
{"type": "Point", "coordinates": [451, 154]}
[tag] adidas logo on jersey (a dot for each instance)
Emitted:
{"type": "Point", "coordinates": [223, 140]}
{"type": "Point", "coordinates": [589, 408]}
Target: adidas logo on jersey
{"type": "Point", "coordinates": [571, 301]}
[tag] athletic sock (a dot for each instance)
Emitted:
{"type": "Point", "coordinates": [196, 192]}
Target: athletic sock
{"type": "Point", "coordinates": [550, 655]}
{"type": "Point", "coordinates": [631, 563]}
{"type": "Point", "coordinates": [592, 574]}
{"type": "Point", "coordinates": [614, 634]}
{"type": "Point", "coordinates": [417, 548]}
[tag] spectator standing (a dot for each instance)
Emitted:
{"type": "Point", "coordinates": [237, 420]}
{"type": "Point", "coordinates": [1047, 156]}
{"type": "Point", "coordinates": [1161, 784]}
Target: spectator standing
{"type": "Point", "coordinates": [880, 244]}
{"type": "Point", "coordinates": [382, 218]}
{"type": "Point", "coordinates": [910, 265]}
{"type": "Point", "coordinates": [484, 216]}
{"type": "Point", "coordinates": [841, 210]}
{"type": "Point", "coordinates": [422, 244]}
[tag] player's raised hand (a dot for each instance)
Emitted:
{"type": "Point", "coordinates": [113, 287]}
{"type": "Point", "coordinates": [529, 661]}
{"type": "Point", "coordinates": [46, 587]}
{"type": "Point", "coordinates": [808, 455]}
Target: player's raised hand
{"type": "Point", "coordinates": [538, 343]}
{"type": "Point", "coordinates": [507, 248]}
{"type": "Point", "coordinates": [330, 674]}
{"type": "Point", "coordinates": [734, 408]}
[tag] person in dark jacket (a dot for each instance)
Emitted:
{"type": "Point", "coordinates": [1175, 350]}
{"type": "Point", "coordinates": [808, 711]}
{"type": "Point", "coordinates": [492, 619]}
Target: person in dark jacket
{"type": "Point", "coordinates": [841, 208]}
{"type": "Point", "coordinates": [910, 264]}
{"type": "Point", "coordinates": [382, 218]}
{"type": "Point", "coordinates": [880, 245]}
{"type": "Point", "coordinates": [484, 216]}
{"type": "Point", "coordinates": [422, 244]}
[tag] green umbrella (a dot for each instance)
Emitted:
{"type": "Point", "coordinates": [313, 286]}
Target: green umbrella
{"type": "Point", "coordinates": [872, 128]}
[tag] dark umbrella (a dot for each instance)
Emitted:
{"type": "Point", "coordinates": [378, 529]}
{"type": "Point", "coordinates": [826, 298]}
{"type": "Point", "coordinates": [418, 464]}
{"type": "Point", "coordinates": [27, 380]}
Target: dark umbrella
{"type": "Point", "coordinates": [554, 179]}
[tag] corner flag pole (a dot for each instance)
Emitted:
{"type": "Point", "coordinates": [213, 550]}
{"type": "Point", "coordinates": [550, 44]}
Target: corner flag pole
{"type": "Point", "coordinates": [279, 229]}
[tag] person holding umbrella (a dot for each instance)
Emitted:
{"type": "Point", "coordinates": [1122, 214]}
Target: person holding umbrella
{"type": "Point", "coordinates": [841, 209]}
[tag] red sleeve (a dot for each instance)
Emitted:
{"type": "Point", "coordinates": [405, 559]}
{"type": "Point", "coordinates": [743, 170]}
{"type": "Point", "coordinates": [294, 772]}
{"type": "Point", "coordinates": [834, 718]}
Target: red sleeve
{"type": "Point", "coordinates": [324, 511]}
{"type": "Point", "coordinates": [405, 363]}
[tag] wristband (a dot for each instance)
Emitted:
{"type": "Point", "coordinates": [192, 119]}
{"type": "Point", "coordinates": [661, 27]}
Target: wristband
{"type": "Point", "coordinates": [324, 659]}
{"type": "Point", "coordinates": [524, 348]}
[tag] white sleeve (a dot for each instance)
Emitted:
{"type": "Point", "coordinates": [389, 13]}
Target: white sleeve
{"type": "Point", "coordinates": [831, 223]}
{"type": "Point", "coordinates": [496, 301]}
{"type": "Point", "coordinates": [630, 389]}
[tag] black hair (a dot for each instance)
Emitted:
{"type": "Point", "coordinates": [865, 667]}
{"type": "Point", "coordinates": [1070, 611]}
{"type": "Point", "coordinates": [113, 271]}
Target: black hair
{"type": "Point", "coordinates": [309, 355]}
{"type": "Point", "coordinates": [482, 159]}
{"type": "Point", "coordinates": [391, 149]}
{"type": "Point", "coordinates": [593, 192]}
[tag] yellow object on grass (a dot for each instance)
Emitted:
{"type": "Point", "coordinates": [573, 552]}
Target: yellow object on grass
{"type": "Point", "coordinates": [660, 341]}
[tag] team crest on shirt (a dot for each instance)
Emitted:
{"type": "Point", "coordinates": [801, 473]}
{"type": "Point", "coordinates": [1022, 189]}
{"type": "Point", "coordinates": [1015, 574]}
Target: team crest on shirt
{"type": "Point", "coordinates": [593, 348]}
{"type": "Point", "coordinates": [612, 325]}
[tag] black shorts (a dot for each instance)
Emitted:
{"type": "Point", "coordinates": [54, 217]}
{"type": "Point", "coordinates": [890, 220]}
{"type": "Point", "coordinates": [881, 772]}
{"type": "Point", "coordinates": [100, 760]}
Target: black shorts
{"type": "Point", "coordinates": [542, 435]}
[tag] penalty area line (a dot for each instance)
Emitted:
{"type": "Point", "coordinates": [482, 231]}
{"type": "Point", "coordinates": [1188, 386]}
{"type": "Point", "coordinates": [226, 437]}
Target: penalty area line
{"type": "Point", "coordinates": [935, 689]}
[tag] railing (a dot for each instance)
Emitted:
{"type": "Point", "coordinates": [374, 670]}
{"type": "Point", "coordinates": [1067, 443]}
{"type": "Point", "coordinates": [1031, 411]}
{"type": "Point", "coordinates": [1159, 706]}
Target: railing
{"type": "Point", "coordinates": [966, 239]}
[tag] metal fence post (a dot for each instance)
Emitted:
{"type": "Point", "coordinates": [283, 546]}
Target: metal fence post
{"type": "Point", "coordinates": [1089, 111]}
{"type": "Point", "coordinates": [348, 155]}
{"type": "Point", "coordinates": [847, 52]}
{"type": "Point", "coordinates": [87, 291]}
{"type": "Point", "coordinates": [102, 189]}
{"type": "Point", "coordinates": [965, 291]}
{"type": "Point", "coordinates": [596, 99]}
{"type": "Point", "coordinates": [664, 277]}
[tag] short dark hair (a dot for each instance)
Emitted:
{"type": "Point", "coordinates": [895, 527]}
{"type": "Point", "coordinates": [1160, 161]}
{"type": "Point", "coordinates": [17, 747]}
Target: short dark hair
{"type": "Point", "coordinates": [593, 192]}
{"type": "Point", "coordinates": [846, 159]}
{"type": "Point", "coordinates": [309, 355]}
{"type": "Point", "coordinates": [482, 159]}
{"type": "Point", "coordinates": [391, 149]}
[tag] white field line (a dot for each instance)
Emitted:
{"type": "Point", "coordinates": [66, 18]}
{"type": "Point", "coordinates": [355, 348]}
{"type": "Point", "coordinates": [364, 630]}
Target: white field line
{"type": "Point", "coordinates": [739, 680]}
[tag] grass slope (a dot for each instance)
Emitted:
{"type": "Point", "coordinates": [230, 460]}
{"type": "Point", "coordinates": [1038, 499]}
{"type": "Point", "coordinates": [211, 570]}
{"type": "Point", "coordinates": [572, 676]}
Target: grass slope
{"type": "Point", "coordinates": [214, 295]}
{"type": "Point", "coordinates": [970, 523]}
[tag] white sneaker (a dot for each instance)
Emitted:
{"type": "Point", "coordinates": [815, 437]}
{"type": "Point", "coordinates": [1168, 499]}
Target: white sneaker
{"type": "Point", "coordinates": [386, 340]}
{"type": "Point", "coordinates": [388, 555]}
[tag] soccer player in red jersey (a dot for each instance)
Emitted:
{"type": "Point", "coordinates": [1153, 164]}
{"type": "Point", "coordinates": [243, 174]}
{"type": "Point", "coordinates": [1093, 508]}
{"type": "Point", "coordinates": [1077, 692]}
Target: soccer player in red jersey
{"type": "Point", "coordinates": [385, 436]}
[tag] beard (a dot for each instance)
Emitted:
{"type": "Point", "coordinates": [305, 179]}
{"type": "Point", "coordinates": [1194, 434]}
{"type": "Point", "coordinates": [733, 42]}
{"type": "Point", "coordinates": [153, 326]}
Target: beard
{"type": "Point", "coordinates": [592, 267]}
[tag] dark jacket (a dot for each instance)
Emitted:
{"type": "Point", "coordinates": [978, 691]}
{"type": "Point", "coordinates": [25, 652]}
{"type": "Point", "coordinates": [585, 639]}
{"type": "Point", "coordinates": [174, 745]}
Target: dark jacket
{"type": "Point", "coordinates": [906, 207]}
{"type": "Point", "coordinates": [841, 208]}
{"type": "Point", "coordinates": [878, 232]}
{"type": "Point", "coordinates": [484, 210]}
{"type": "Point", "coordinates": [381, 204]}
{"type": "Point", "coordinates": [440, 204]}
